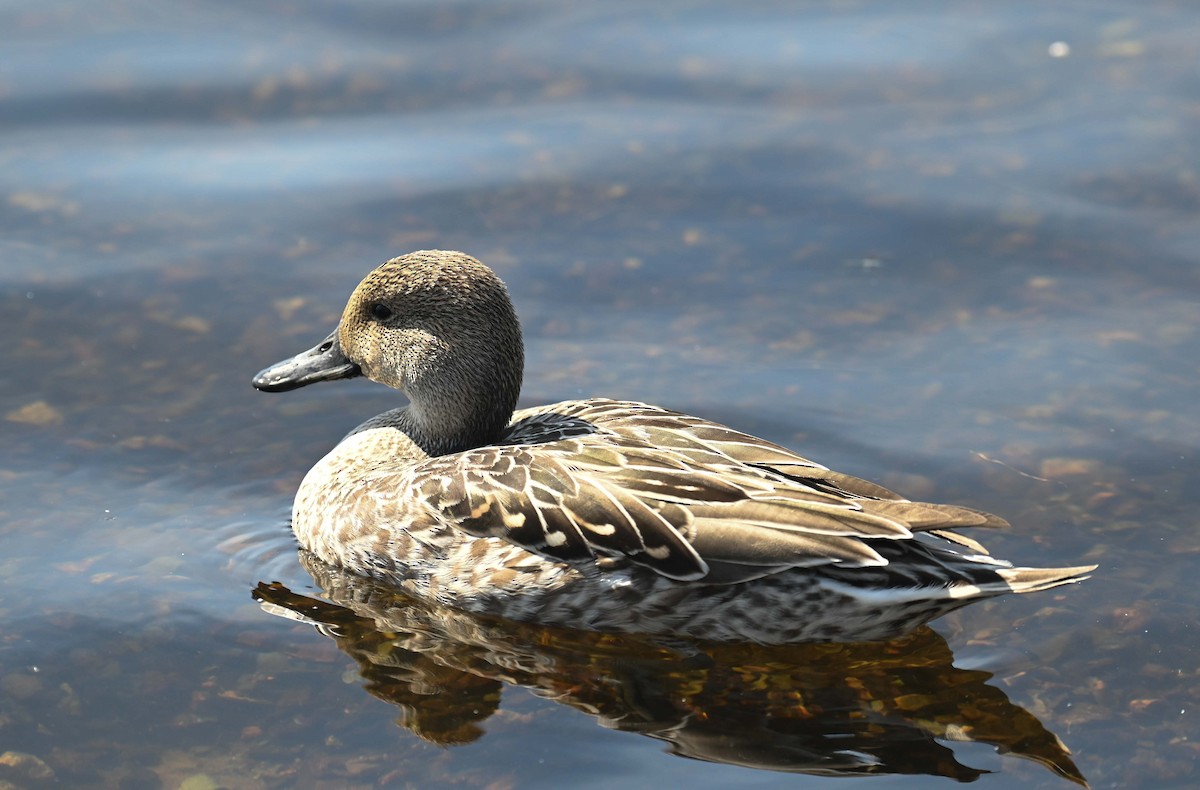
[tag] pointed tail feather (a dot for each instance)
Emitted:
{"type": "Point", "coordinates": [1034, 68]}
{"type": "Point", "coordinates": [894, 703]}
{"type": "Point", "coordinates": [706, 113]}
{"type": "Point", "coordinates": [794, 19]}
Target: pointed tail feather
{"type": "Point", "coordinates": [1023, 580]}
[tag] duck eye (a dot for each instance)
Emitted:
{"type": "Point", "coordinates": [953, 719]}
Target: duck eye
{"type": "Point", "coordinates": [381, 311]}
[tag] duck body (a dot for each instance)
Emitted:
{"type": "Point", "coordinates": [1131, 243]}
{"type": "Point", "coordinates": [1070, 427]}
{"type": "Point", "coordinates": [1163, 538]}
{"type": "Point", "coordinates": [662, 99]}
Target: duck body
{"type": "Point", "coordinates": [599, 514]}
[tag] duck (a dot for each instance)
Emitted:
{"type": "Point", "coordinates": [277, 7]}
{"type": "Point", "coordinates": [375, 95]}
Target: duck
{"type": "Point", "coordinates": [598, 514]}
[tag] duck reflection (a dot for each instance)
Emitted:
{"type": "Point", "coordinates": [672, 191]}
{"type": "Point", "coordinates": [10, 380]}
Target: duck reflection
{"type": "Point", "coordinates": [821, 708]}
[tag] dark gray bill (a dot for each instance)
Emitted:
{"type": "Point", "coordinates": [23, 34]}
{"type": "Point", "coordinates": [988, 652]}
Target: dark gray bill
{"type": "Point", "coordinates": [325, 362]}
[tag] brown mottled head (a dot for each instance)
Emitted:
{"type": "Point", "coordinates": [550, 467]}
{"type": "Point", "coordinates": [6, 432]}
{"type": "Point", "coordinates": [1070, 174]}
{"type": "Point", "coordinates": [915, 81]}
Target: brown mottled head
{"type": "Point", "coordinates": [439, 326]}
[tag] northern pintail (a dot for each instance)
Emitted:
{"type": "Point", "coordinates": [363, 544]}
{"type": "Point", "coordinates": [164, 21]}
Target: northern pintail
{"type": "Point", "coordinates": [600, 514]}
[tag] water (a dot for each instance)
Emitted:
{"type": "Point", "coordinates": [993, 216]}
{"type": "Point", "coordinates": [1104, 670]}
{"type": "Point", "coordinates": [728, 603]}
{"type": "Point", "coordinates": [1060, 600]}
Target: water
{"type": "Point", "coordinates": [950, 249]}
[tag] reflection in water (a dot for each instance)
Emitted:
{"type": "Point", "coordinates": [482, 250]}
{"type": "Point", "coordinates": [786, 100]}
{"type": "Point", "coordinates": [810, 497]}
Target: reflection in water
{"type": "Point", "coordinates": [822, 708]}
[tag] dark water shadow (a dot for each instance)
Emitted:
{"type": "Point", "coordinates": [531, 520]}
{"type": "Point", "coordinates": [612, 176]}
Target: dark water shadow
{"type": "Point", "coordinates": [832, 709]}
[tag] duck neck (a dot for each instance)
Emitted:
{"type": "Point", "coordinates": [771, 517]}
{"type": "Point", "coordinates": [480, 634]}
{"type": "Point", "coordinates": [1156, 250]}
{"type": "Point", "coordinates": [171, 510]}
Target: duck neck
{"type": "Point", "coordinates": [438, 433]}
{"type": "Point", "coordinates": [459, 419]}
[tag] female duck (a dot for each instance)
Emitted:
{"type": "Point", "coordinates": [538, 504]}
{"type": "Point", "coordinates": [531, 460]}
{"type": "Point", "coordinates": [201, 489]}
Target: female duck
{"type": "Point", "coordinates": [600, 514]}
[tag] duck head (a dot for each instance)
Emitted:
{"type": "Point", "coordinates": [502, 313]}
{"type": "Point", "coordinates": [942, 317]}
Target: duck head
{"type": "Point", "coordinates": [440, 327]}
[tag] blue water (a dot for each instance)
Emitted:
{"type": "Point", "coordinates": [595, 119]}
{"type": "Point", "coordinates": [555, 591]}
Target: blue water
{"type": "Point", "coordinates": [950, 248]}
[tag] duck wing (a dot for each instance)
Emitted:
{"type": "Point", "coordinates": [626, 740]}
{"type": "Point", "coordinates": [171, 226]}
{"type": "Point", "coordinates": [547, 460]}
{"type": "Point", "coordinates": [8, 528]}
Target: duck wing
{"type": "Point", "coordinates": [688, 499]}
{"type": "Point", "coordinates": [699, 439]}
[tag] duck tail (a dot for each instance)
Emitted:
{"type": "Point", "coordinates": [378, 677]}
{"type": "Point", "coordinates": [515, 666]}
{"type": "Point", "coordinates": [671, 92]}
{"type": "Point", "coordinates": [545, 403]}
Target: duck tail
{"type": "Point", "coordinates": [1024, 580]}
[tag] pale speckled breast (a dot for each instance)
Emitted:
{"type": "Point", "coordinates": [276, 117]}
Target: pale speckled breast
{"type": "Point", "coordinates": [360, 508]}
{"type": "Point", "coordinates": [342, 509]}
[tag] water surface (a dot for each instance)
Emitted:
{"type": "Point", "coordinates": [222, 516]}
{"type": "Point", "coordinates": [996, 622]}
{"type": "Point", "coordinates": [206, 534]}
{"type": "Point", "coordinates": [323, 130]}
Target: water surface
{"type": "Point", "coordinates": [949, 249]}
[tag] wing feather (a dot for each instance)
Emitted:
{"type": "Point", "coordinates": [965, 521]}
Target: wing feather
{"type": "Point", "coordinates": [689, 499]}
